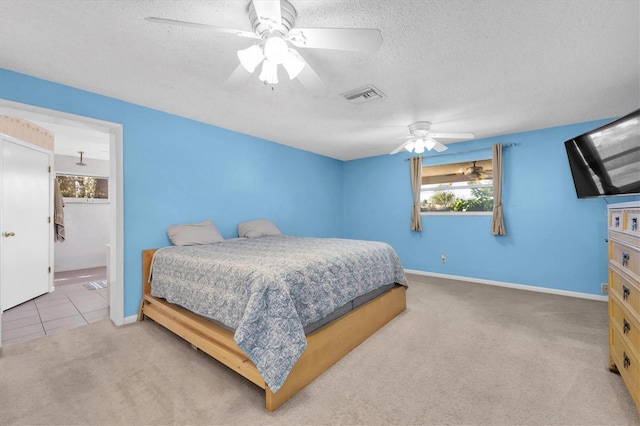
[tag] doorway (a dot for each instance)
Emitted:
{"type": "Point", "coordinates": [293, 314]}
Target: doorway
{"type": "Point", "coordinates": [114, 253]}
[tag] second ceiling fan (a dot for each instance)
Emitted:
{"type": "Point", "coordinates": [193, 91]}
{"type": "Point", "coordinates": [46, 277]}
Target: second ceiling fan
{"type": "Point", "coordinates": [273, 25]}
{"type": "Point", "coordinates": [422, 138]}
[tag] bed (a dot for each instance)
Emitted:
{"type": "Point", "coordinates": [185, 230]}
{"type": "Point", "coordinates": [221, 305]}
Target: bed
{"type": "Point", "coordinates": [261, 305]}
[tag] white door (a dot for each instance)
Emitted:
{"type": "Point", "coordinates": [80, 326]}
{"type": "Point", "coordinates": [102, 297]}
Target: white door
{"type": "Point", "coordinates": [25, 228]}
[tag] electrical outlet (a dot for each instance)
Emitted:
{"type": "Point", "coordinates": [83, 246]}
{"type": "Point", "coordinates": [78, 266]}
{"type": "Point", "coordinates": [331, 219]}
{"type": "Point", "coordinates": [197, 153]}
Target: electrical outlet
{"type": "Point", "coordinates": [443, 258]}
{"type": "Point", "coordinates": [605, 288]}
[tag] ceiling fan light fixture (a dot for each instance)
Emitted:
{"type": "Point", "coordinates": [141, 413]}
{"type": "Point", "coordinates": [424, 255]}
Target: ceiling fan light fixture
{"type": "Point", "coordinates": [269, 73]}
{"type": "Point", "coordinates": [429, 144]}
{"type": "Point", "coordinates": [293, 64]}
{"type": "Point", "coordinates": [273, 26]}
{"type": "Point", "coordinates": [276, 49]}
{"type": "Point", "coordinates": [251, 57]}
{"type": "Point", "coordinates": [422, 138]}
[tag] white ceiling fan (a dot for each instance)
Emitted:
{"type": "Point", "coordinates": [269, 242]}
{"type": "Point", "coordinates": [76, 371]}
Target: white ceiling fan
{"type": "Point", "coordinates": [273, 24]}
{"type": "Point", "coordinates": [422, 139]}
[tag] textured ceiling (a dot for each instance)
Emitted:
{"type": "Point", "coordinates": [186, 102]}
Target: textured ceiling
{"type": "Point", "coordinates": [487, 67]}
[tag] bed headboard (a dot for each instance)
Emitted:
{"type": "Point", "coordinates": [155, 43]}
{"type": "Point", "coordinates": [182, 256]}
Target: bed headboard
{"type": "Point", "coordinates": [147, 257]}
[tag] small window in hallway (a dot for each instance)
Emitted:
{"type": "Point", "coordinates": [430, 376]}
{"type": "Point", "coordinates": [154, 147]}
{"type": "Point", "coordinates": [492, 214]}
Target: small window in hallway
{"type": "Point", "coordinates": [77, 186]}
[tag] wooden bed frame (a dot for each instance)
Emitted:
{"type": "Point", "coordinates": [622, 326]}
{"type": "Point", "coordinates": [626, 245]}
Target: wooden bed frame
{"type": "Point", "coordinates": [325, 346]}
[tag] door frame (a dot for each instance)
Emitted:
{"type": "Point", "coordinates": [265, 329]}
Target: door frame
{"type": "Point", "coordinates": [116, 184]}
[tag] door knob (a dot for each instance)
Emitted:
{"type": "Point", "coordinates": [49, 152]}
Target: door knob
{"type": "Point", "coordinates": [9, 234]}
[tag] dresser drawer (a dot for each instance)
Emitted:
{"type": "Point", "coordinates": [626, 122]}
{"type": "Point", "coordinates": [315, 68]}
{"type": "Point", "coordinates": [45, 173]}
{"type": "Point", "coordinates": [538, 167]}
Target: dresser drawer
{"type": "Point", "coordinates": [629, 238]}
{"type": "Point", "coordinates": [632, 223]}
{"type": "Point", "coordinates": [625, 256]}
{"type": "Point", "coordinates": [624, 322]}
{"type": "Point", "coordinates": [625, 359]}
{"type": "Point", "coordinates": [625, 220]}
{"type": "Point", "coordinates": [615, 220]}
{"type": "Point", "coordinates": [620, 284]}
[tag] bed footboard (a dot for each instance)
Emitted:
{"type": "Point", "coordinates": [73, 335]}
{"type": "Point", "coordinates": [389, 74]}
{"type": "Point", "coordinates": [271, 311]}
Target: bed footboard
{"type": "Point", "coordinates": [329, 344]}
{"type": "Point", "coordinates": [325, 346]}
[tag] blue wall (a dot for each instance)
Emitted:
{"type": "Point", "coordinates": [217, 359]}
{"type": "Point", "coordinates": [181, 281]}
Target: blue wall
{"type": "Point", "coordinates": [178, 170]}
{"type": "Point", "coordinates": [553, 239]}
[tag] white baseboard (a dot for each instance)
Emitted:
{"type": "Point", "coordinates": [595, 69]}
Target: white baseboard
{"type": "Point", "coordinates": [589, 296]}
{"type": "Point", "coordinates": [130, 319]}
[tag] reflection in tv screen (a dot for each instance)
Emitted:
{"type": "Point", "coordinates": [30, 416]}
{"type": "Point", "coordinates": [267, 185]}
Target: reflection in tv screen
{"type": "Point", "coordinates": [606, 161]}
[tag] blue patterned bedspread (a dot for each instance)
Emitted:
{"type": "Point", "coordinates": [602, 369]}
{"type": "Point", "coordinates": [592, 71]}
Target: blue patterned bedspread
{"type": "Point", "coordinates": [268, 289]}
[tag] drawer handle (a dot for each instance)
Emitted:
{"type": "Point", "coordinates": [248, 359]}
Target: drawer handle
{"type": "Point", "coordinates": [626, 327]}
{"type": "Point", "coordinates": [625, 258]}
{"type": "Point", "coordinates": [627, 361]}
{"type": "Point", "coordinates": [625, 292]}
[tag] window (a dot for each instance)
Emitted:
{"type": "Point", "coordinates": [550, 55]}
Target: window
{"type": "Point", "coordinates": [84, 187]}
{"type": "Point", "coordinates": [457, 187]}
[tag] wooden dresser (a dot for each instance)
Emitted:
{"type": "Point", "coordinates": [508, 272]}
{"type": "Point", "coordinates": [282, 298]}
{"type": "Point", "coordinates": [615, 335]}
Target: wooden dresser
{"type": "Point", "coordinates": [624, 294]}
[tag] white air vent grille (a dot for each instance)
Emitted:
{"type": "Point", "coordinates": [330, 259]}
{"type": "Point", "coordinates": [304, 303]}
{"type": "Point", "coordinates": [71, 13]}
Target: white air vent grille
{"type": "Point", "coordinates": [364, 94]}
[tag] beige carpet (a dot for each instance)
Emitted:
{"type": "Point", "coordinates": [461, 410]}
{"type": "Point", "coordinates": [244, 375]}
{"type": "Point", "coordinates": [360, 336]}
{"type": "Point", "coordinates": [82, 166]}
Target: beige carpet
{"type": "Point", "coordinates": [461, 354]}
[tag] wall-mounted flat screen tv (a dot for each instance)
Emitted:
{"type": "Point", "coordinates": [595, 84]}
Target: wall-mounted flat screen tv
{"type": "Point", "coordinates": [605, 162]}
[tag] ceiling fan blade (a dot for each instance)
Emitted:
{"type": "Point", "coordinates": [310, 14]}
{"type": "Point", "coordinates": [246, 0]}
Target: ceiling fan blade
{"type": "Point", "coordinates": [240, 33]}
{"type": "Point", "coordinates": [312, 82]}
{"type": "Point", "coordinates": [452, 135]}
{"type": "Point", "coordinates": [398, 149]}
{"type": "Point", "coordinates": [237, 79]}
{"type": "Point", "coordinates": [439, 147]}
{"type": "Point", "coordinates": [355, 39]}
{"type": "Point", "coordinates": [268, 11]}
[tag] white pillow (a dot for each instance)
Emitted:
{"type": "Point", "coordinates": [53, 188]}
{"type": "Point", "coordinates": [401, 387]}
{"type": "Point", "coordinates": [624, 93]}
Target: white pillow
{"type": "Point", "coordinates": [204, 232]}
{"type": "Point", "coordinates": [258, 228]}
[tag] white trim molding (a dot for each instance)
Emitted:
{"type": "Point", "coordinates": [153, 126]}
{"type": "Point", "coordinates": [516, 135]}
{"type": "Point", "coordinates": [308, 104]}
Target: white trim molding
{"type": "Point", "coordinates": [130, 319]}
{"type": "Point", "coordinates": [577, 294]}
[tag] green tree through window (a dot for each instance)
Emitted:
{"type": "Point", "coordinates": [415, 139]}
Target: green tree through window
{"type": "Point", "coordinates": [74, 186]}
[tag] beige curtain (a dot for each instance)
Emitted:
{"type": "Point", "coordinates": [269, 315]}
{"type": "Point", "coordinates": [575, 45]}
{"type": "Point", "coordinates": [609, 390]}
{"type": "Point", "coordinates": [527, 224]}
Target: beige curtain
{"type": "Point", "coordinates": [497, 223]}
{"type": "Point", "coordinates": [416, 183]}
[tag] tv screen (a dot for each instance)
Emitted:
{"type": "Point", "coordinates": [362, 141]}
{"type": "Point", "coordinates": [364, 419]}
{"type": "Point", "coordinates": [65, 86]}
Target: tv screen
{"type": "Point", "coordinates": [605, 162]}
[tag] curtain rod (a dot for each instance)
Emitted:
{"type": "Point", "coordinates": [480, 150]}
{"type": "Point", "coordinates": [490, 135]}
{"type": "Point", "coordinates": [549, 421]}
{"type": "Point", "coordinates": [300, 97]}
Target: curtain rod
{"type": "Point", "coordinates": [464, 152]}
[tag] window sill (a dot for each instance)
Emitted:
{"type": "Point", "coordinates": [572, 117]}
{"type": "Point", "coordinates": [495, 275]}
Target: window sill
{"type": "Point", "coordinates": [85, 200]}
{"type": "Point", "coordinates": [456, 213]}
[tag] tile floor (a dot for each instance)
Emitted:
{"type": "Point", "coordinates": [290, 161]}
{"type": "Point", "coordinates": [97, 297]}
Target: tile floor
{"type": "Point", "coordinates": [70, 305]}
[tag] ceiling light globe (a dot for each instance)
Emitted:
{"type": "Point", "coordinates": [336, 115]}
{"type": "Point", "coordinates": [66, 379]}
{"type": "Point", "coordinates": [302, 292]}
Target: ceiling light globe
{"type": "Point", "coordinates": [429, 144]}
{"type": "Point", "coordinates": [250, 58]}
{"type": "Point", "coordinates": [293, 64]}
{"type": "Point", "coordinates": [269, 73]}
{"type": "Point", "coordinates": [410, 146]}
{"type": "Point", "coordinates": [276, 49]}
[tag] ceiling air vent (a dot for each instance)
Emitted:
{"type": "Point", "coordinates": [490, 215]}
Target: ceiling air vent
{"type": "Point", "coordinates": [364, 94]}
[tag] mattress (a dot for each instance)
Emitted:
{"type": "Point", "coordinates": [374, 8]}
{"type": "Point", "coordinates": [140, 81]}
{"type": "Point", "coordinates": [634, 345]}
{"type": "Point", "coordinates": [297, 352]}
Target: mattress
{"type": "Point", "coordinates": [348, 307]}
{"type": "Point", "coordinates": [341, 311]}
